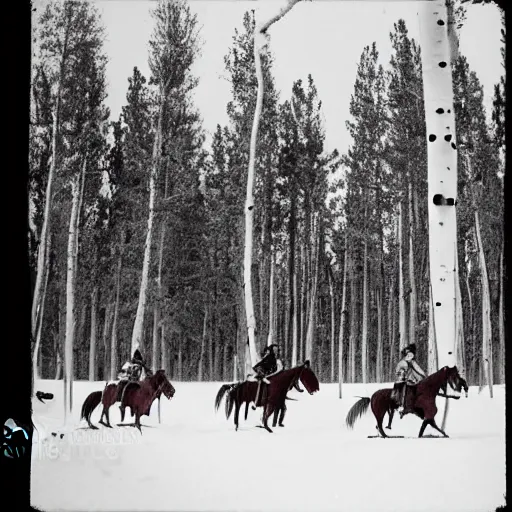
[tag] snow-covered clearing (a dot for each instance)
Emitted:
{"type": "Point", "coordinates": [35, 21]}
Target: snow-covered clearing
{"type": "Point", "coordinates": [194, 459]}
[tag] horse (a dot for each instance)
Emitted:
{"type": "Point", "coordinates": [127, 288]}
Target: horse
{"type": "Point", "coordinates": [114, 392]}
{"type": "Point", "coordinates": [422, 399]}
{"type": "Point", "coordinates": [245, 392]}
{"type": "Point", "coordinates": [139, 396]}
{"type": "Point", "coordinates": [274, 401]}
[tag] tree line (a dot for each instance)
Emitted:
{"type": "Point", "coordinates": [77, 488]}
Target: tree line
{"type": "Point", "coordinates": [136, 227]}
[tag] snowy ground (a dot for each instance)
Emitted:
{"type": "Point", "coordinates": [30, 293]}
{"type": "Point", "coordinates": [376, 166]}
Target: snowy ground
{"type": "Point", "coordinates": [194, 459]}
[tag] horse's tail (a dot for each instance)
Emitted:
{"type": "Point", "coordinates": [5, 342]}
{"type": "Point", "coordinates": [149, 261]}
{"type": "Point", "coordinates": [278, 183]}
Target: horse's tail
{"type": "Point", "coordinates": [357, 410]}
{"type": "Point", "coordinates": [90, 403]}
{"type": "Point", "coordinates": [230, 400]}
{"type": "Point", "coordinates": [220, 395]}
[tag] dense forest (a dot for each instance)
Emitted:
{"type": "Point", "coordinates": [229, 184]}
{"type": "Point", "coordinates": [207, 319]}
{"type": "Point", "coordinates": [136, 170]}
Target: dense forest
{"type": "Point", "coordinates": [136, 225]}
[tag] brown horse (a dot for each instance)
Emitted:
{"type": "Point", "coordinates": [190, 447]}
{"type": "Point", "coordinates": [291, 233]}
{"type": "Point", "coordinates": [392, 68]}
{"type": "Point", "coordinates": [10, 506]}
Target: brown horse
{"type": "Point", "coordinates": [245, 392]}
{"type": "Point", "coordinates": [112, 393]}
{"type": "Point", "coordinates": [421, 399]}
{"type": "Point", "coordinates": [274, 401]}
{"type": "Point", "coordinates": [139, 396]}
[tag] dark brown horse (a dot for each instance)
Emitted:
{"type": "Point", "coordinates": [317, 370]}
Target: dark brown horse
{"type": "Point", "coordinates": [273, 401]}
{"type": "Point", "coordinates": [421, 400]}
{"type": "Point", "coordinates": [139, 396]}
{"type": "Point", "coordinates": [112, 393]}
{"type": "Point", "coordinates": [245, 392]}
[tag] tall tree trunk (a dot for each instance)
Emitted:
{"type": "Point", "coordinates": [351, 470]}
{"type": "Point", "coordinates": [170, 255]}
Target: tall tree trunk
{"type": "Point", "coordinates": [401, 293]}
{"type": "Point", "coordinates": [486, 310]}
{"type": "Point", "coordinates": [333, 321]}
{"type": "Point", "coordinates": [138, 326]}
{"type": "Point", "coordinates": [271, 299]}
{"type": "Point", "coordinates": [200, 370]}
{"type": "Point", "coordinates": [43, 253]}
{"type": "Point", "coordinates": [260, 43]}
{"type": "Point", "coordinates": [379, 376]}
{"type": "Point", "coordinates": [210, 348]}
{"type": "Point", "coordinates": [113, 338]}
{"type": "Point", "coordinates": [295, 317]}
{"type": "Point", "coordinates": [343, 321]}
{"type": "Point", "coordinates": [392, 327]}
{"type": "Point", "coordinates": [470, 337]}
{"type": "Point", "coordinates": [432, 342]}
{"type": "Point", "coordinates": [164, 353]}
{"type": "Point", "coordinates": [460, 355]}
{"type": "Point", "coordinates": [413, 300]}
{"type": "Point", "coordinates": [180, 357]}
{"type": "Point", "coordinates": [302, 301]}
{"type": "Point", "coordinates": [364, 335]}
{"type": "Point", "coordinates": [37, 347]}
{"type": "Point", "coordinates": [94, 330]}
{"type": "Point", "coordinates": [70, 298]}
{"type": "Point", "coordinates": [312, 304]}
{"type": "Point", "coordinates": [435, 28]}
{"type": "Point", "coordinates": [109, 312]}
{"type": "Point", "coordinates": [501, 326]}
{"type": "Point", "coordinates": [353, 323]}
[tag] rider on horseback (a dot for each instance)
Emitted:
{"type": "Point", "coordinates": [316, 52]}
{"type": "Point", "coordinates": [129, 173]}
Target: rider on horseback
{"type": "Point", "coordinates": [132, 371]}
{"type": "Point", "coordinates": [408, 373]}
{"type": "Point", "coordinates": [269, 365]}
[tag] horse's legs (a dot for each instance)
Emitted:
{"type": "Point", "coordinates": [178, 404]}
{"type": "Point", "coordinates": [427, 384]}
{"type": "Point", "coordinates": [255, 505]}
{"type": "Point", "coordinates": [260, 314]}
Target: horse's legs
{"type": "Point", "coordinates": [379, 410]}
{"type": "Point", "coordinates": [107, 414]}
{"type": "Point", "coordinates": [281, 418]}
{"type": "Point", "coordinates": [237, 411]}
{"type": "Point", "coordinates": [423, 427]}
{"type": "Point", "coordinates": [274, 421]}
{"type": "Point", "coordinates": [391, 412]}
{"type": "Point", "coordinates": [137, 422]}
{"type": "Point", "coordinates": [103, 414]}
{"type": "Point", "coordinates": [433, 423]}
{"type": "Point", "coordinates": [267, 412]}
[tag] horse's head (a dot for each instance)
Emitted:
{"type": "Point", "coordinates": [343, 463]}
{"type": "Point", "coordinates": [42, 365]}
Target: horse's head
{"type": "Point", "coordinates": [163, 384]}
{"type": "Point", "coordinates": [309, 379]}
{"type": "Point", "coordinates": [454, 380]}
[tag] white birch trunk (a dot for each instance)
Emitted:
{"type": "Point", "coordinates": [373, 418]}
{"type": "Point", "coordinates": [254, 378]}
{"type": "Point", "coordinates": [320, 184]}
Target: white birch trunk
{"type": "Point", "coordinates": [164, 362]}
{"type": "Point", "coordinates": [37, 347]}
{"type": "Point", "coordinates": [260, 41]}
{"type": "Point", "coordinates": [333, 322]}
{"type": "Point", "coordinates": [501, 326]}
{"type": "Point", "coordinates": [138, 326]}
{"type": "Point", "coordinates": [364, 334]}
{"type": "Point", "coordinates": [401, 294]}
{"type": "Point", "coordinates": [412, 278]}
{"type": "Point", "coordinates": [391, 327]}
{"type": "Point", "coordinates": [113, 338]}
{"type": "Point", "coordinates": [312, 304]}
{"type": "Point", "coordinates": [295, 317]}
{"type": "Point", "coordinates": [432, 345]}
{"type": "Point", "coordinates": [70, 299]}
{"type": "Point", "coordinates": [460, 356]}
{"type": "Point", "coordinates": [92, 347]}
{"type": "Point", "coordinates": [271, 331]}
{"type": "Point", "coordinates": [380, 356]}
{"type": "Point", "coordinates": [343, 322]}
{"type": "Point", "coordinates": [486, 311]}
{"type": "Point", "coordinates": [200, 370]}
{"type": "Point", "coordinates": [109, 311]}
{"type": "Point", "coordinates": [442, 171]}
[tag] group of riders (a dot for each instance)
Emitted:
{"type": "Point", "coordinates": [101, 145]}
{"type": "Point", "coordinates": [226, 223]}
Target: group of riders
{"type": "Point", "coordinates": [408, 373]}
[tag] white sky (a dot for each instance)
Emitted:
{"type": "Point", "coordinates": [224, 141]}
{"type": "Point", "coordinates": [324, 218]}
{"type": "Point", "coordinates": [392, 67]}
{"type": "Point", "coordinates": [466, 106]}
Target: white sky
{"type": "Point", "coordinates": [322, 37]}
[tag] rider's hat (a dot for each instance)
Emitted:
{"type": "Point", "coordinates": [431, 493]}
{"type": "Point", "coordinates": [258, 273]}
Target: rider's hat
{"type": "Point", "coordinates": [137, 356]}
{"type": "Point", "coordinates": [410, 348]}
